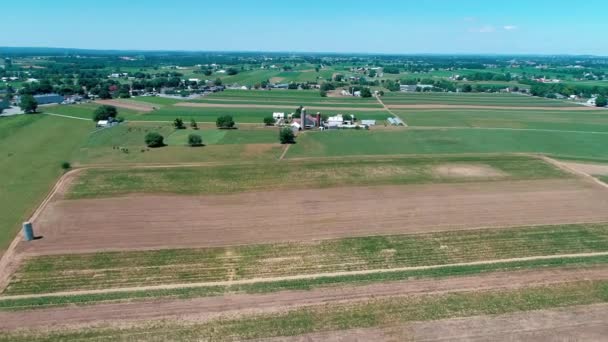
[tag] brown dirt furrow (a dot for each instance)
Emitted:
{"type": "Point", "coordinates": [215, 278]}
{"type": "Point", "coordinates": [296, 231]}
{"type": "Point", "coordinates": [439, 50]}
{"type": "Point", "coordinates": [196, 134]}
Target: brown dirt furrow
{"type": "Point", "coordinates": [140, 107]}
{"type": "Point", "coordinates": [157, 221]}
{"type": "Point", "coordinates": [249, 105]}
{"type": "Point", "coordinates": [202, 309]}
{"type": "Point", "coordinates": [579, 323]}
{"type": "Point", "coordinates": [454, 106]}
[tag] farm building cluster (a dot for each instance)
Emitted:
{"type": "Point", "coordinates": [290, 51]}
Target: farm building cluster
{"type": "Point", "coordinates": [301, 120]}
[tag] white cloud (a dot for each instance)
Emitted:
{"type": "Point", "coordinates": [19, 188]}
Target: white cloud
{"type": "Point", "coordinates": [483, 29]}
{"type": "Point", "coordinates": [510, 27]}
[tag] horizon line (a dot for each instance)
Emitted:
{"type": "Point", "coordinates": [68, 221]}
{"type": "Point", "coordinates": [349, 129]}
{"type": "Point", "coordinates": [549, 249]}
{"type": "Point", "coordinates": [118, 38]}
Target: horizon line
{"type": "Point", "coordinates": [531, 54]}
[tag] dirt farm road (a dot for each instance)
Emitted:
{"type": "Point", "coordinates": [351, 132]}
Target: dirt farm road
{"type": "Point", "coordinates": [202, 309]}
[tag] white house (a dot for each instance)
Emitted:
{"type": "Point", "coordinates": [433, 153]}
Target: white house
{"type": "Point", "coordinates": [335, 121]}
{"type": "Point", "coordinates": [591, 102]}
{"type": "Point", "coordinates": [278, 116]}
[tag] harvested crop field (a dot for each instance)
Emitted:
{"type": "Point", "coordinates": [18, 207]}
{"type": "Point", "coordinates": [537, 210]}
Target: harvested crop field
{"type": "Point", "coordinates": [137, 106]}
{"type": "Point", "coordinates": [209, 308]}
{"type": "Point", "coordinates": [581, 323]}
{"type": "Point", "coordinates": [156, 221]}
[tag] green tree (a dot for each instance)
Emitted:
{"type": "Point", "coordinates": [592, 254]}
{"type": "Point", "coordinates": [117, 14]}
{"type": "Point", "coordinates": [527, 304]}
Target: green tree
{"type": "Point", "coordinates": [298, 112]}
{"type": "Point", "coordinates": [225, 121]}
{"type": "Point", "coordinates": [366, 92]}
{"type": "Point", "coordinates": [104, 94]}
{"type": "Point", "coordinates": [601, 101]}
{"type": "Point", "coordinates": [323, 93]}
{"type": "Point", "coordinates": [193, 124]}
{"type": "Point", "coordinates": [154, 139]}
{"type": "Point", "coordinates": [467, 88]}
{"type": "Point", "coordinates": [217, 82]}
{"type": "Point", "coordinates": [232, 71]}
{"type": "Point", "coordinates": [28, 104]}
{"type": "Point", "coordinates": [269, 121]}
{"type": "Point", "coordinates": [178, 123]}
{"type": "Point", "coordinates": [104, 112]}
{"type": "Point", "coordinates": [286, 136]}
{"type": "Point", "coordinates": [195, 140]}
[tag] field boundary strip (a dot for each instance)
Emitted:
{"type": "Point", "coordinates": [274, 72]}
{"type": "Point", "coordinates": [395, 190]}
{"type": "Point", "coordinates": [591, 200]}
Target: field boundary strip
{"type": "Point", "coordinates": [574, 171]}
{"type": "Point", "coordinates": [459, 106]}
{"type": "Point", "coordinates": [297, 277]}
{"type": "Point", "coordinates": [504, 129]}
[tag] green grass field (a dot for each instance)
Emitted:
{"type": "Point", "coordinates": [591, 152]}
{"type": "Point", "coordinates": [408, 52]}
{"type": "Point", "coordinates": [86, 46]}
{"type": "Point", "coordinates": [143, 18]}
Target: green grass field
{"type": "Point", "coordinates": [85, 111]}
{"type": "Point", "coordinates": [46, 274]}
{"type": "Point", "coordinates": [473, 99]}
{"type": "Point", "coordinates": [279, 175]}
{"type": "Point", "coordinates": [446, 141]}
{"type": "Point", "coordinates": [32, 148]}
{"type": "Point", "coordinates": [592, 121]}
{"type": "Point", "coordinates": [372, 313]}
{"type": "Point", "coordinates": [246, 144]}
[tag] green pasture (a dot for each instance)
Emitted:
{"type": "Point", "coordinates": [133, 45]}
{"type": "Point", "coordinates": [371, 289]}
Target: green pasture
{"type": "Point", "coordinates": [446, 141]}
{"type": "Point", "coordinates": [32, 148]}
{"type": "Point", "coordinates": [589, 121]}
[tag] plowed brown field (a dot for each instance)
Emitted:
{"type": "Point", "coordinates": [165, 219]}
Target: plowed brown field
{"type": "Point", "coordinates": [157, 221]}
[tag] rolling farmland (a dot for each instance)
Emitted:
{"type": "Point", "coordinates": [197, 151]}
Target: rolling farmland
{"type": "Point", "coordinates": [438, 214]}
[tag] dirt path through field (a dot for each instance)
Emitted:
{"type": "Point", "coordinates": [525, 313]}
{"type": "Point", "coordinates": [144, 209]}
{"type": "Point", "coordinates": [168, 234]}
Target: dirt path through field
{"type": "Point", "coordinates": [458, 106]}
{"type": "Point", "coordinates": [202, 309]}
{"type": "Point", "coordinates": [239, 105]}
{"type": "Point", "coordinates": [389, 110]}
{"type": "Point", "coordinates": [170, 221]}
{"type": "Point", "coordinates": [231, 281]}
{"type": "Point", "coordinates": [578, 323]}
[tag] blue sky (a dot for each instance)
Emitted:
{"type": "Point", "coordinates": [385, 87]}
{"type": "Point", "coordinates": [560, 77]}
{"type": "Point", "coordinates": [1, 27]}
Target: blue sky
{"type": "Point", "coordinates": [420, 26]}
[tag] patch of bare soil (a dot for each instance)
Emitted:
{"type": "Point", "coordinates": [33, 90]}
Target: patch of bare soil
{"type": "Point", "coordinates": [468, 171]}
{"type": "Point", "coordinates": [137, 106]}
{"type": "Point", "coordinates": [276, 79]}
{"type": "Point", "coordinates": [252, 150]}
{"type": "Point", "coordinates": [270, 106]}
{"type": "Point", "coordinates": [579, 323]}
{"type": "Point", "coordinates": [453, 106]}
{"type": "Point", "coordinates": [233, 305]}
{"type": "Point", "coordinates": [171, 221]}
{"type": "Point", "coordinates": [588, 168]}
